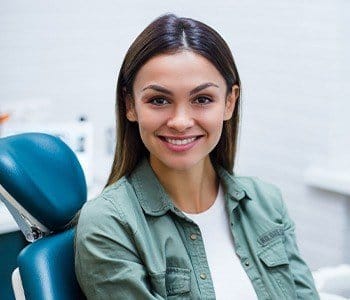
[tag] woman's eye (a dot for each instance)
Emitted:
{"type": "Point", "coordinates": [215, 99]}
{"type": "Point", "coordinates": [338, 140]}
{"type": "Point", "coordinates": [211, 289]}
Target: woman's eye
{"type": "Point", "coordinates": [203, 100]}
{"type": "Point", "coordinates": [159, 101]}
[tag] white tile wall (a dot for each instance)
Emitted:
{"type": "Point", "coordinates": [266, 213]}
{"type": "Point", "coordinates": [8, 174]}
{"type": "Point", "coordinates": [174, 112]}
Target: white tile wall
{"type": "Point", "coordinates": [292, 57]}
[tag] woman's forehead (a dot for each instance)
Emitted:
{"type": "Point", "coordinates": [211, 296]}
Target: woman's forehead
{"type": "Point", "coordinates": [186, 69]}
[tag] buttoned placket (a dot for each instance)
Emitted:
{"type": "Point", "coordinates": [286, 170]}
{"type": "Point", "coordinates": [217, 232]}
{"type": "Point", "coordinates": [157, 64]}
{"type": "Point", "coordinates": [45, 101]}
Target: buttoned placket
{"type": "Point", "coordinates": [195, 248]}
{"type": "Point", "coordinates": [245, 259]}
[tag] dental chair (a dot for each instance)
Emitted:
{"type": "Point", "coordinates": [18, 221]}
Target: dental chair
{"type": "Point", "coordinates": [43, 186]}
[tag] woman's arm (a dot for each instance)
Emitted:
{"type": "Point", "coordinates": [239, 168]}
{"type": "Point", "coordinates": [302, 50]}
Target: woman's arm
{"type": "Point", "coordinates": [106, 261]}
{"type": "Point", "coordinates": [305, 286]}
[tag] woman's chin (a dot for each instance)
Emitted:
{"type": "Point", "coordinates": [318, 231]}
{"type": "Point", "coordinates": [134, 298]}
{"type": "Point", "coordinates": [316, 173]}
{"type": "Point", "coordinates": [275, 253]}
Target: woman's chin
{"type": "Point", "coordinates": [177, 164]}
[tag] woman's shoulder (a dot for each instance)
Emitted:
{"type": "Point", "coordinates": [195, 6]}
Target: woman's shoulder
{"type": "Point", "coordinates": [263, 193]}
{"type": "Point", "coordinates": [108, 198]}
{"type": "Point", "coordinates": [114, 204]}
{"type": "Point", "coordinates": [256, 185]}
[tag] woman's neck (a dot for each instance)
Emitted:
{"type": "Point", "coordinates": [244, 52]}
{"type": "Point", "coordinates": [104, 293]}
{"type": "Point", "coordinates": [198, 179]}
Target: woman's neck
{"type": "Point", "coordinates": [193, 190]}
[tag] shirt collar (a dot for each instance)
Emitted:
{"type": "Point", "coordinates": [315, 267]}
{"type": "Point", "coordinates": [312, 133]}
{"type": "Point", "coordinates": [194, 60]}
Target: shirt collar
{"type": "Point", "coordinates": [156, 202]}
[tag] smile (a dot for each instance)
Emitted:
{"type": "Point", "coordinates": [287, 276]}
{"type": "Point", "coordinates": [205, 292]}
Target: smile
{"type": "Point", "coordinates": [180, 144]}
{"type": "Point", "coordinates": [180, 141]}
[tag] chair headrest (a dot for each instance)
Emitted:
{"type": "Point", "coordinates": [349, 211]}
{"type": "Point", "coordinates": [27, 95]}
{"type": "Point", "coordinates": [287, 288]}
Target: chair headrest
{"type": "Point", "coordinates": [43, 176]}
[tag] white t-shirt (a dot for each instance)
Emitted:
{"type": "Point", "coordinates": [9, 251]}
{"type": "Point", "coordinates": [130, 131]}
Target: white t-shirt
{"type": "Point", "coordinates": [229, 278]}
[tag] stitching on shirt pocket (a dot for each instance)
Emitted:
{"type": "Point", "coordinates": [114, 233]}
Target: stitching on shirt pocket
{"type": "Point", "coordinates": [274, 256]}
{"type": "Point", "coordinates": [174, 281]}
{"type": "Point", "coordinates": [177, 281]}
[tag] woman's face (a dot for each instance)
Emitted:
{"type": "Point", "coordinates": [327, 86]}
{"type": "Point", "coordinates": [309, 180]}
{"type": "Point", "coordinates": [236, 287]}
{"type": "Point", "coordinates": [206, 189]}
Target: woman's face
{"type": "Point", "coordinates": [180, 105]}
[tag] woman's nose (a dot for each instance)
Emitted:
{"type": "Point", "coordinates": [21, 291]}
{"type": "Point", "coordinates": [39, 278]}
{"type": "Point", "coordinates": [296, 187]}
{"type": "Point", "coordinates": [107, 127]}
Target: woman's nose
{"type": "Point", "coordinates": [180, 120]}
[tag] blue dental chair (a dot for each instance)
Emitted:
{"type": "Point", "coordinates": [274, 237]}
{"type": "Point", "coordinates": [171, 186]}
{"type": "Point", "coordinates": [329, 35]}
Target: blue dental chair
{"type": "Point", "coordinates": [43, 186]}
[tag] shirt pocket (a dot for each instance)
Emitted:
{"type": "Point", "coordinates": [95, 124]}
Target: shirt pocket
{"type": "Point", "coordinates": [276, 264]}
{"type": "Point", "coordinates": [175, 283]}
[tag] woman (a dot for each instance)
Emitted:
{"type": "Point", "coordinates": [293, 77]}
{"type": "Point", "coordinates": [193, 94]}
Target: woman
{"type": "Point", "coordinates": [174, 221]}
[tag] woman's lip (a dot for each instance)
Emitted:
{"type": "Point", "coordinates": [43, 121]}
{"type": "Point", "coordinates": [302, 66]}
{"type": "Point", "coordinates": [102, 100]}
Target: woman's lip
{"type": "Point", "coordinates": [179, 148]}
{"type": "Point", "coordinates": [176, 137]}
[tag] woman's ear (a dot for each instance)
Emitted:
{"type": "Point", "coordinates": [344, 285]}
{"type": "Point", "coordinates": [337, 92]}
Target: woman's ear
{"type": "Point", "coordinates": [130, 109]}
{"type": "Point", "coordinates": [231, 102]}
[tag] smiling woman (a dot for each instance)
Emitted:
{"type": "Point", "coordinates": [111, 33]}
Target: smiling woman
{"type": "Point", "coordinates": [180, 103]}
{"type": "Point", "coordinates": [174, 221]}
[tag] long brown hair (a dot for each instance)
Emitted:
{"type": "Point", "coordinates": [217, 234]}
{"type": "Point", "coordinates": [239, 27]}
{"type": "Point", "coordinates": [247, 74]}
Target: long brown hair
{"type": "Point", "coordinates": [170, 34]}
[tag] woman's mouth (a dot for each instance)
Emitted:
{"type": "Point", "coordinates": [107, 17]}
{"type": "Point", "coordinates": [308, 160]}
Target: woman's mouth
{"type": "Point", "coordinates": [179, 144]}
{"type": "Point", "coordinates": [180, 141]}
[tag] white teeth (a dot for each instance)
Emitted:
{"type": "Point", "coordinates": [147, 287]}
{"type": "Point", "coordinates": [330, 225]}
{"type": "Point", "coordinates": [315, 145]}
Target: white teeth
{"type": "Point", "coordinates": [180, 142]}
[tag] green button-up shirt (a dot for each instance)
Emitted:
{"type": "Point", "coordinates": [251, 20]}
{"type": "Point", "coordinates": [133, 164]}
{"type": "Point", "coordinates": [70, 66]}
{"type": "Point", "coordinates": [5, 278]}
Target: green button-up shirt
{"type": "Point", "coordinates": [133, 243]}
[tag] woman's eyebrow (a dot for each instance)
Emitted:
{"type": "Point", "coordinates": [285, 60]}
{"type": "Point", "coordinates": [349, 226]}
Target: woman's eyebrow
{"type": "Point", "coordinates": [197, 89]}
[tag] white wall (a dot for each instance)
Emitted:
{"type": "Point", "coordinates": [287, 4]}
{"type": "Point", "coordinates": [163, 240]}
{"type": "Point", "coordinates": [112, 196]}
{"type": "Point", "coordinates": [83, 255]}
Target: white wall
{"type": "Point", "coordinates": [292, 58]}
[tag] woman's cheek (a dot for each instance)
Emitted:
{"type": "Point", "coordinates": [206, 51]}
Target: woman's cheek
{"type": "Point", "coordinates": [149, 121]}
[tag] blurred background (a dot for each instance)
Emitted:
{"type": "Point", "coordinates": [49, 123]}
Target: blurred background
{"type": "Point", "coordinates": [59, 62]}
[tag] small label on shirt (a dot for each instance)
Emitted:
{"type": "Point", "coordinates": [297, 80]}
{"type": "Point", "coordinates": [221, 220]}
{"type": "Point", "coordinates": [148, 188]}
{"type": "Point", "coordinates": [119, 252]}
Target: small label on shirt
{"type": "Point", "coordinates": [270, 235]}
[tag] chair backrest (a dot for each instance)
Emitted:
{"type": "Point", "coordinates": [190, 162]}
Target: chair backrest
{"type": "Point", "coordinates": [43, 186]}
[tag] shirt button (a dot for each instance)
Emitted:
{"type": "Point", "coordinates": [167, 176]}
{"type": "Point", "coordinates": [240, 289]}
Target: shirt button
{"type": "Point", "coordinates": [247, 263]}
{"type": "Point", "coordinates": [193, 236]}
{"type": "Point", "coordinates": [203, 276]}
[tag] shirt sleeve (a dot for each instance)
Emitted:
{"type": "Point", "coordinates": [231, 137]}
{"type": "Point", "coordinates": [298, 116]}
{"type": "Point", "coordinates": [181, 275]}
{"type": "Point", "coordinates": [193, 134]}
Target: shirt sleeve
{"type": "Point", "coordinates": [304, 283]}
{"type": "Point", "coordinates": [107, 264]}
